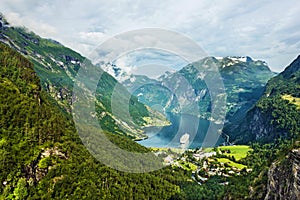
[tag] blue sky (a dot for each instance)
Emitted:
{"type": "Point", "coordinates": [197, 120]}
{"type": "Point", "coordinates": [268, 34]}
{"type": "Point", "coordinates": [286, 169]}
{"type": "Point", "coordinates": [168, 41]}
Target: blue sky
{"type": "Point", "coordinates": [263, 29]}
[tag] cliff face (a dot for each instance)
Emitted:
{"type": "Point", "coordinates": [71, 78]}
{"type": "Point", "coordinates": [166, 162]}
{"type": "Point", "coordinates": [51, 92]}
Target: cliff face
{"type": "Point", "coordinates": [258, 125]}
{"type": "Point", "coordinates": [284, 178]}
{"type": "Point", "coordinates": [273, 116]}
{"type": "Point", "coordinates": [255, 127]}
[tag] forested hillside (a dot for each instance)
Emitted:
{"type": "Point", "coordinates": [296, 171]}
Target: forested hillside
{"type": "Point", "coordinates": [272, 129]}
{"type": "Point", "coordinates": [42, 155]}
{"type": "Point", "coordinates": [272, 126]}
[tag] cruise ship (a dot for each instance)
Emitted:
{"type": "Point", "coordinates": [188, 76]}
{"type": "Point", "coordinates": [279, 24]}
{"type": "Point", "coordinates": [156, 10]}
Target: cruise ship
{"type": "Point", "coordinates": [184, 138]}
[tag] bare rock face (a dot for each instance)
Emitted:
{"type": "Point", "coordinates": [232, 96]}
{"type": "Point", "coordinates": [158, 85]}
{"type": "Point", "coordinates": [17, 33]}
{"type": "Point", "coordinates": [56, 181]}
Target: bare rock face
{"type": "Point", "coordinates": [284, 178]}
{"type": "Point", "coordinates": [35, 172]}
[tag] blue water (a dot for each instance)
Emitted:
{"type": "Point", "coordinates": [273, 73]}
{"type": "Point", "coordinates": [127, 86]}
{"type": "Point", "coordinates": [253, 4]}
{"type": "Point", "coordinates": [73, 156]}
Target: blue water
{"type": "Point", "coordinates": [183, 123]}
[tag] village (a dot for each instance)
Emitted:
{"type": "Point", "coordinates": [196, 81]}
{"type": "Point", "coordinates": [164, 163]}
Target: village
{"type": "Point", "coordinates": [204, 163]}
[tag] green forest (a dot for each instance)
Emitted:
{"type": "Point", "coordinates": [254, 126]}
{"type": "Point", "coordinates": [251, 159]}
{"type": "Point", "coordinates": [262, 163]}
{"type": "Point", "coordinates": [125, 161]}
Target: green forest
{"type": "Point", "coordinates": [42, 156]}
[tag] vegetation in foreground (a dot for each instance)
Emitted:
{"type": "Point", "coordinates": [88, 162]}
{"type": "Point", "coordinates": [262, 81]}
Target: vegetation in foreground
{"type": "Point", "coordinates": [42, 156]}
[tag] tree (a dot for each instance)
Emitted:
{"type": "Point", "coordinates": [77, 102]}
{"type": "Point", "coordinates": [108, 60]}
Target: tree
{"type": "Point", "coordinates": [20, 191]}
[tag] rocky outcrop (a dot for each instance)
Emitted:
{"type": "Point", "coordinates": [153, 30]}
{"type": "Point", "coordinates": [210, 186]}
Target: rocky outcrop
{"type": "Point", "coordinates": [284, 178]}
{"type": "Point", "coordinates": [258, 125]}
{"type": "Point", "coordinates": [35, 171]}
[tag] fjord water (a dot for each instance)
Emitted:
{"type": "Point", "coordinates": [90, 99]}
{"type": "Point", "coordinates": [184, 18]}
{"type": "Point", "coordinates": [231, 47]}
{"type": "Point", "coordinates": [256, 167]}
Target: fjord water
{"type": "Point", "coordinates": [169, 136]}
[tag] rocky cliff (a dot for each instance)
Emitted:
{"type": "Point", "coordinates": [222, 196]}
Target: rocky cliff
{"type": "Point", "coordinates": [255, 126]}
{"type": "Point", "coordinates": [284, 178]}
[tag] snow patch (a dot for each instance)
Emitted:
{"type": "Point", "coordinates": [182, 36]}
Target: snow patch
{"type": "Point", "coordinates": [219, 58]}
{"type": "Point", "coordinates": [115, 72]}
{"type": "Point", "coordinates": [241, 58]}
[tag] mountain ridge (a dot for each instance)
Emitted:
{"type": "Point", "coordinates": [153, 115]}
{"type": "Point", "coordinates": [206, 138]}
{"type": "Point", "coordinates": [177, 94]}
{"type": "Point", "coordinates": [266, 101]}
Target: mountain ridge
{"type": "Point", "coordinates": [241, 76]}
{"type": "Point", "coordinates": [57, 67]}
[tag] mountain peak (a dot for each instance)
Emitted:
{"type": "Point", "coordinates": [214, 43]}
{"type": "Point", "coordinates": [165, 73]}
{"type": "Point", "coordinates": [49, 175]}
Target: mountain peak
{"type": "Point", "coordinates": [242, 58]}
{"type": "Point", "coordinates": [237, 58]}
{"type": "Point", "coordinates": [292, 68]}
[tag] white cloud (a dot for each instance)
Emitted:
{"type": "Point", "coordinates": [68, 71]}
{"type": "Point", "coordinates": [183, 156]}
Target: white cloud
{"type": "Point", "coordinates": [45, 30]}
{"type": "Point", "coordinates": [152, 63]}
{"type": "Point", "coordinates": [93, 37]}
{"type": "Point", "coordinates": [264, 29]}
{"type": "Point", "coordinates": [126, 63]}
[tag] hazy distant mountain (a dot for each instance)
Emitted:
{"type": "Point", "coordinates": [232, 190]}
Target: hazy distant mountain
{"type": "Point", "coordinates": [244, 80]}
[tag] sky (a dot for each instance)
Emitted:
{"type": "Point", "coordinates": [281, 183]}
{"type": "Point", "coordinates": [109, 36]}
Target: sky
{"type": "Point", "coordinates": [263, 29]}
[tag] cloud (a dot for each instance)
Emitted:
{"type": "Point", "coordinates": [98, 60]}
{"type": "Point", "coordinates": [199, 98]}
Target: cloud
{"type": "Point", "coordinates": [263, 29]}
{"type": "Point", "coordinates": [149, 62]}
{"type": "Point", "coordinates": [144, 57]}
{"type": "Point", "coordinates": [45, 29]}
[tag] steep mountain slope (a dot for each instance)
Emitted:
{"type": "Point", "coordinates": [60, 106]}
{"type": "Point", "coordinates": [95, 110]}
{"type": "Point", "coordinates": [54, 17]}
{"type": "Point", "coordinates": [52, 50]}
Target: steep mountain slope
{"type": "Point", "coordinates": [284, 178]}
{"type": "Point", "coordinates": [244, 80]}
{"type": "Point", "coordinates": [42, 156]}
{"type": "Point", "coordinates": [152, 92]}
{"type": "Point", "coordinates": [273, 127]}
{"type": "Point", "coordinates": [149, 91]}
{"type": "Point", "coordinates": [239, 86]}
{"type": "Point", "coordinates": [57, 67]}
{"type": "Point", "coordinates": [276, 114]}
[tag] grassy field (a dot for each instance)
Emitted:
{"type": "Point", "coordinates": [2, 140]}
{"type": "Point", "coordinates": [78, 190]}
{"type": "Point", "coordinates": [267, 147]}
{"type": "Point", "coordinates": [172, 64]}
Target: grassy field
{"type": "Point", "coordinates": [293, 100]}
{"type": "Point", "coordinates": [188, 166]}
{"type": "Point", "coordinates": [230, 163]}
{"type": "Point", "coordinates": [238, 151]}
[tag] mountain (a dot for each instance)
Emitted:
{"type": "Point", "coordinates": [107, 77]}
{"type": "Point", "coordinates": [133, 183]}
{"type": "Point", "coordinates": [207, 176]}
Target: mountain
{"type": "Point", "coordinates": [149, 91]}
{"type": "Point", "coordinates": [242, 90]}
{"type": "Point", "coordinates": [272, 127]}
{"type": "Point", "coordinates": [186, 91]}
{"type": "Point", "coordinates": [42, 156]}
{"type": "Point", "coordinates": [57, 67]}
{"type": "Point", "coordinates": [243, 80]}
{"type": "Point", "coordinates": [276, 114]}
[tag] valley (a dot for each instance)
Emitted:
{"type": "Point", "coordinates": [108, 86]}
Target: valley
{"type": "Point", "coordinates": [249, 150]}
{"type": "Point", "coordinates": [169, 136]}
